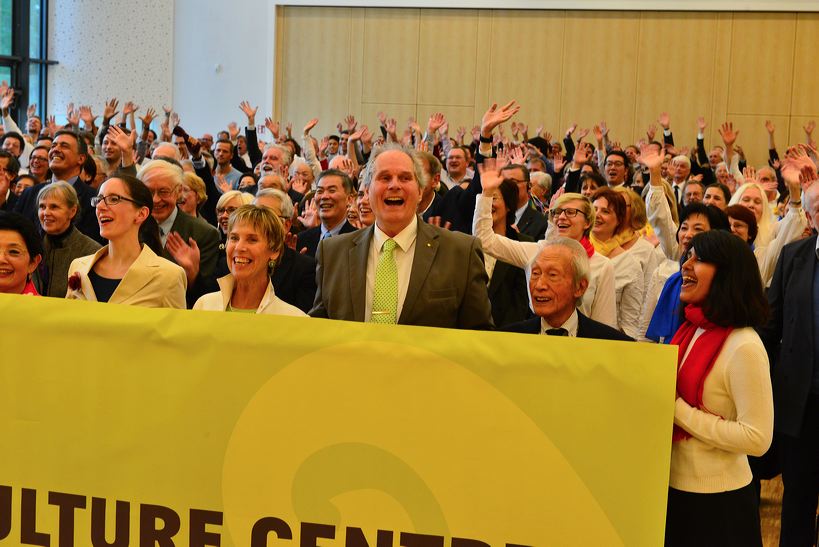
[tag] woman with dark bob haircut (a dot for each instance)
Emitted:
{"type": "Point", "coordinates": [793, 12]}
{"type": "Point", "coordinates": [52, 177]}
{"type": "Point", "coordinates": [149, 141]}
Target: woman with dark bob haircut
{"type": "Point", "coordinates": [724, 406]}
{"type": "Point", "coordinates": [21, 250]}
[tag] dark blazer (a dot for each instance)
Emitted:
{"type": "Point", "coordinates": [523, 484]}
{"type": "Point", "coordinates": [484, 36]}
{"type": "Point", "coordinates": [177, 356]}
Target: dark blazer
{"type": "Point", "coordinates": [294, 279]}
{"type": "Point", "coordinates": [206, 237]}
{"type": "Point", "coordinates": [86, 219]}
{"type": "Point", "coordinates": [8, 205]}
{"type": "Point", "coordinates": [447, 286]}
{"type": "Point", "coordinates": [508, 294]}
{"type": "Point", "coordinates": [791, 349]}
{"type": "Point", "coordinates": [586, 328]}
{"type": "Point", "coordinates": [434, 209]}
{"type": "Point", "coordinates": [310, 238]}
{"type": "Point", "coordinates": [533, 223]}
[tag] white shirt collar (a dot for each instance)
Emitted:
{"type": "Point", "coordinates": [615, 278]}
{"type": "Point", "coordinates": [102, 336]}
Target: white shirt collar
{"type": "Point", "coordinates": [334, 230]}
{"type": "Point", "coordinates": [570, 325]}
{"type": "Point", "coordinates": [405, 238]}
{"type": "Point", "coordinates": [166, 225]}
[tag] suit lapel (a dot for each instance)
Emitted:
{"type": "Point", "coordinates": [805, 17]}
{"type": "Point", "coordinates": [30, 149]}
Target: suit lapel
{"type": "Point", "coordinates": [426, 247]}
{"type": "Point", "coordinates": [87, 287]}
{"type": "Point", "coordinates": [357, 258]}
{"type": "Point", "coordinates": [498, 275]}
{"type": "Point", "coordinates": [138, 275]}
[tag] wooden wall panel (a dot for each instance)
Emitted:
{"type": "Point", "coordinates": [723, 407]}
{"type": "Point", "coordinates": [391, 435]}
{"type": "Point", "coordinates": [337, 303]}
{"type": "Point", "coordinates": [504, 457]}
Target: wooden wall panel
{"type": "Point", "coordinates": [391, 55]}
{"type": "Point", "coordinates": [796, 134]}
{"type": "Point", "coordinates": [666, 72]}
{"type": "Point", "coordinates": [805, 92]}
{"type": "Point", "coordinates": [599, 71]}
{"type": "Point", "coordinates": [525, 63]}
{"type": "Point", "coordinates": [316, 70]}
{"type": "Point", "coordinates": [761, 45]}
{"type": "Point", "coordinates": [562, 66]}
{"type": "Point", "coordinates": [447, 57]}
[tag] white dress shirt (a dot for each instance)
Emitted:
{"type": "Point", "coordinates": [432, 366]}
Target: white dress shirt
{"type": "Point", "coordinates": [404, 253]}
{"type": "Point", "coordinates": [570, 325]}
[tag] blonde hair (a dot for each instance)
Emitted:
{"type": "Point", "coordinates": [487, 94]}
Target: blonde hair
{"type": "Point", "coordinates": [586, 207]}
{"type": "Point", "coordinates": [196, 184]}
{"type": "Point", "coordinates": [765, 223]}
{"type": "Point", "coordinates": [264, 221]}
{"type": "Point", "coordinates": [637, 217]}
{"type": "Point", "coordinates": [244, 197]}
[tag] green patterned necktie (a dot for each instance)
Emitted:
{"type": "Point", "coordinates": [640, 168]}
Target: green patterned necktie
{"type": "Point", "coordinates": [385, 290]}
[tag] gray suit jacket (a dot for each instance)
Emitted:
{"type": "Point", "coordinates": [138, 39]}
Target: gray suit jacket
{"type": "Point", "coordinates": [447, 286]}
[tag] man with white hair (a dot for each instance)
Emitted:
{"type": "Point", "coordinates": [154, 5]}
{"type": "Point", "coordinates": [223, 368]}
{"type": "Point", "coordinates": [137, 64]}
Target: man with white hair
{"type": "Point", "coordinates": [558, 279]}
{"type": "Point", "coordinates": [164, 179]}
{"type": "Point", "coordinates": [294, 277]}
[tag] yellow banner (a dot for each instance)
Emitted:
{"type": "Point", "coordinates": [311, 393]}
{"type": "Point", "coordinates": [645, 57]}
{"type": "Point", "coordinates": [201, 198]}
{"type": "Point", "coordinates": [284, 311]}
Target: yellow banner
{"type": "Point", "coordinates": [131, 426]}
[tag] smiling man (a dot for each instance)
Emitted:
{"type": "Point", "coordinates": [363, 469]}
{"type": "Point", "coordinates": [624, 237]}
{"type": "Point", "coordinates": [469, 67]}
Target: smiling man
{"type": "Point", "coordinates": [400, 269]}
{"type": "Point", "coordinates": [559, 278]}
{"type": "Point", "coordinates": [334, 194]}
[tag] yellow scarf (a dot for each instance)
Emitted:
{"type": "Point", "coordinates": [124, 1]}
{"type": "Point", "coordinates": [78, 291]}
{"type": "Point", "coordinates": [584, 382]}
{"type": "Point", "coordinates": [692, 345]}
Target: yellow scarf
{"type": "Point", "coordinates": [606, 247]}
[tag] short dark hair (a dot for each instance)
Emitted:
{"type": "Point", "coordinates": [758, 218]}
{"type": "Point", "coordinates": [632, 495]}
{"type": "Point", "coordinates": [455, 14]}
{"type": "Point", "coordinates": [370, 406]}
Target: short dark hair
{"type": "Point", "coordinates": [346, 181]}
{"type": "Point", "coordinates": [737, 294]}
{"type": "Point", "coordinates": [82, 146]}
{"type": "Point", "coordinates": [333, 138]}
{"type": "Point", "coordinates": [15, 222]}
{"type": "Point", "coordinates": [14, 135]}
{"type": "Point", "coordinates": [13, 166]}
{"type": "Point", "coordinates": [224, 141]}
{"type": "Point", "coordinates": [620, 154]}
{"type": "Point", "coordinates": [523, 168]}
{"type": "Point", "coordinates": [296, 146]}
{"type": "Point", "coordinates": [595, 177]}
{"type": "Point", "coordinates": [717, 219]}
{"type": "Point", "coordinates": [726, 192]}
{"type": "Point", "coordinates": [740, 212]}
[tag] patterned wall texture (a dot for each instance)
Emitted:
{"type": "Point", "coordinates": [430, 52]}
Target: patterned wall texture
{"type": "Point", "coordinates": [110, 49]}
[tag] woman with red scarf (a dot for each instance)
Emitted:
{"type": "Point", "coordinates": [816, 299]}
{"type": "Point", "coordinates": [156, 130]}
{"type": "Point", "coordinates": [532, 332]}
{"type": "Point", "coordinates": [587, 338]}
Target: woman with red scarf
{"type": "Point", "coordinates": [21, 251]}
{"type": "Point", "coordinates": [724, 406]}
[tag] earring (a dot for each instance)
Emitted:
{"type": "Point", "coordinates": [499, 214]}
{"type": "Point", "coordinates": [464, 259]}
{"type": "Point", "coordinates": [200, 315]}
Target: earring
{"type": "Point", "coordinates": [271, 264]}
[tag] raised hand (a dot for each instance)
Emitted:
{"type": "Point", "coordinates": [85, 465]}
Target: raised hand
{"type": "Point", "coordinates": [598, 133]}
{"type": "Point", "coordinates": [650, 157]}
{"type": "Point", "coordinates": [167, 110]}
{"type": "Point", "coordinates": [233, 130]}
{"type": "Point", "coordinates": [729, 136]}
{"type": "Point", "coordinates": [516, 155]}
{"type": "Point", "coordinates": [490, 176]}
{"type": "Point", "coordinates": [7, 98]}
{"type": "Point", "coordinates": [749, 174]}
{"type": "Point", "coordinates": [148, 118]}
{"type": "Point", "coordinates": [581, 134]}
{"type": "Point", "coordinates": [273, 127]}
{"type": "Point", "coordinates": [185, 254]}
{"type": "Point", "coordinates": [87, 116]}
{"type": "Point", "coordinates": [72, 115]}
{"type": "Point", "coordinates": [495, 116]}
{"type": "Point", "coordinates": [514, 128]}
{"type": "Point", "coordinates": [476, 133]}
{"type": "Point", "coordinates": [572, 128]}
{"type": "Point", "coordinates": [770, 127]}
{"type": "Point", "coordinates": [325, 142]}
{"type": "Point", "coordinates": [222, 183]}
{"type": "Point", "coordinates": [309, 218]}
{"type": "Point", "coordinates": [110, 110]}
{"type": "Point", "coordinates": [250, 112]}
{"type": "Point", "coordinates": [382, 118]}
{"type": "Point", "coordinates": [51, 125]}
{"type": "Point", "coordinates": [288, 130]}
{"type": "Point", "coordinates": [558, 162]}
{"type": "Point", "coordinates": [664, 120]}
{"type": "Point", "coordinates": [604, 127]}
{"type": "Point", "coordinates": [390, 125]}
{"type": "Point", "coordinates": [413, 126]}
{"type": "Point", "coordinates": [701, 125]}
{"type": "Point", "coordinates": [31, 110]}
{"type": "Point", "coordinates": [436, 121]}
{"type": "Point", "coordinates": [807, 176]}
{"type": "Point", "coordinates": [129, 108]}
{"type": "Point", "coordinates": [582, 155]}
{"type": "Point", "coordinates": [524, 130]}
{"type": "Point", "coordinates": [310, 125]}
{"type": "Point", "coordinates": [651, 132]}
{"type": "Point", "coordinates": [366, 136]}
{"type": "Point", "coordinates": [120, 138]}
{"type": "Point", "coordinates": [437, 221]}
{"type": "Point", "coordinates": [351, 123]}
{"type": "Point", "coordinates": [809, 127]}
{"type": "Point", "coordinates": [174, 119]}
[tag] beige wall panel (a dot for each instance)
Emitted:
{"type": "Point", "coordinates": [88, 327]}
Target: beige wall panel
{"type": "Point", "coordinates": [455, 116]}
{"type": "Point", "coordinates": [722, 70]}
{"type": "Point", "coordinates": [762, 44]}
{"type": "Point", "coordinates": [400, 112]}
{"type": "Point", "coordinates": [805, 76]}
{"type": "Point", "coordinates": [357, 59]}
{"type": "Point", "coordinates": [316, 71]}
{"type": "Point", "coordinates": [525, 63]}
{"type": "Point", "coordinates": [447, 57]}
{"type": "Point", "coordinates": [482, 73]}
{"type": "Point", "coordinates": [391, 55]}
{"type": "Point", "coordinates": [599, 71]}
{"type": "Point", "coordinates": [667, 79]}
{"type": "Point", "coordinates": [753, 138]}
{"type": "Point", "coordinates": [796, 134]}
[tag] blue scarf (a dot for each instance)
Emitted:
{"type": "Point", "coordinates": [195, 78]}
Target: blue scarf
{"type": "Point", "coordinates": [666, 319]}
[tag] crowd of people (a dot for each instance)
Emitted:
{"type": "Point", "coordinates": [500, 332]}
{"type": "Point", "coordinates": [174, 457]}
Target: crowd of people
{"type": "Point", "coordinates": [493, 228]}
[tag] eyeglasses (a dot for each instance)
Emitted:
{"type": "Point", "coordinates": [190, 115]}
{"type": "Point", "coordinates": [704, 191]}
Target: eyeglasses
{"type": "Point", "coordinates": [38, 158]}
{"type": "Point", "coordinates": [162, 192]}
{"type": "Point", "coordinates": [110, 200]}
{"type": "Point", "coordinates": [615, 164]}
{"type": "Point", "coordinates": [225, 210]}
{"type": "Point", "coordinates": [569, 211]}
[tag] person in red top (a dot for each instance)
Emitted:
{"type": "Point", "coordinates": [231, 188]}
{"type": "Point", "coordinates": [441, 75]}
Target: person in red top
{"type": "Point", "coordinates": [21, 251]}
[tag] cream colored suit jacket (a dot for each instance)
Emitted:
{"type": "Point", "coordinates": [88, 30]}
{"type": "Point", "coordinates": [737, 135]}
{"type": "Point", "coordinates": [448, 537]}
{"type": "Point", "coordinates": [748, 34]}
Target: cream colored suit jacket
{"type": "Point", "coordinates": [151, 281]}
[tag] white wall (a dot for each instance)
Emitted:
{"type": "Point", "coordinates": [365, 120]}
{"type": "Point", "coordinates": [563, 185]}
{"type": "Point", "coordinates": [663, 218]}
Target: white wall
{"type": "Point", "coordinates": [110, 49]}
{"type": "Point", "coordinates": [223, 54]}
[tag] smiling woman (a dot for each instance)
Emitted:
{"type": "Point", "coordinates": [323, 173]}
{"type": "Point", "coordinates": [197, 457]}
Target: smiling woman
{"type": "Point", "coordinates": [724, 406]}
{"type": "Point", "coordinates": [58, 205]}
{"type": "Point", "coordinates": [255, 242]}
{"type": "Point", "coordinates": [20, 254]}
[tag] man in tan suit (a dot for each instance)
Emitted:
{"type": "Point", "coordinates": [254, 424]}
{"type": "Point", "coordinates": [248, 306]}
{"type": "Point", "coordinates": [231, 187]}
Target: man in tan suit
{"type": "Point", "coordinates": [438, 277]}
